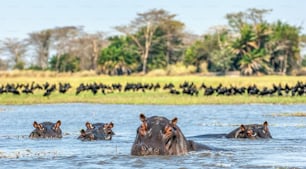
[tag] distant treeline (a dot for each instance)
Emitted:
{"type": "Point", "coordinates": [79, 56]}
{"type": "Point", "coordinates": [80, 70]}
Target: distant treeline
{"type": "Point", "coordinates": [156, 40]}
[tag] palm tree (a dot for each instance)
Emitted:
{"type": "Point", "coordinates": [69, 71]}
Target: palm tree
{"type": "Point", "coordinates": [244, 44]}
{"type": "Point", "coordinates": [251, 55]}
{"type": "Point", "coordinates": [254, 62]}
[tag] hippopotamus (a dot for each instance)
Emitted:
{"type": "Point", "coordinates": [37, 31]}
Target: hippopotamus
{"type": "Point", "coordinates": [248, 131]}
{"type": "Point", "coordinates": [251, 131]}
{"type": "Point", "coordinates": [46, 130]}
{"type": "Point", "coordinates": [97, 131]}
{"type": "Point", "coordinates": [159, 136]}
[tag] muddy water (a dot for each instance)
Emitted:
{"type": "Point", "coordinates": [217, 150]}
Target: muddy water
{"type": "Point", "coordinates": [287, 149]}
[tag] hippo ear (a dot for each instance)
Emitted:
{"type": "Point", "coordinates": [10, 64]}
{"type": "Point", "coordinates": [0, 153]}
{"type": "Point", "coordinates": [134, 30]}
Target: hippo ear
{"type": "Point", "coordinates": [142, 130]}
{"type": "Point", "coordinates": [142, 117]}
{"type": "Point", "coordinates": [88, 125]}
{"type": "Point", "coordinates": [174, 120]}
{"type": "Point", "coordinates": [58, 124]}
{"type": "Point", "coordinates": [242, 127]}
{"type": "Point", "coordinates": [111, 125]}
{"type": "Point", "coordinates": [82, 132]}
{"type": "Point", "coordinates": [35, 124]}
{"type": "Point", "coordinates": [265, 124]}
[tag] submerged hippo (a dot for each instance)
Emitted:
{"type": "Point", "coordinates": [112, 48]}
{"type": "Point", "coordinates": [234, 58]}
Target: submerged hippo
{"type": "Point", "coordinates": [97, 131]}
{"type": "Point", "coordinates": [252, 131]}
{"type": "Point", "coordinates": [249, 131]}
{"type": "Point", "coordinates": [160, 136]}
{"type": "Point", "coordinates": [46, 130]}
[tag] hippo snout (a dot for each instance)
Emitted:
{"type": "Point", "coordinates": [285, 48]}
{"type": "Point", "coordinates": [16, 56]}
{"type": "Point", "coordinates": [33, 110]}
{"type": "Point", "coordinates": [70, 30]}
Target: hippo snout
{"type": "Point", "coordinates": [108, 137]}
{"type": "Point", "coordinates": [144, 149]}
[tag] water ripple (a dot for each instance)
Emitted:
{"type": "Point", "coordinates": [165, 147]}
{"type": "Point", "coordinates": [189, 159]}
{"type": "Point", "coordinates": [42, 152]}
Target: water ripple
{"type": "Point", "coordinates": [287, 149]}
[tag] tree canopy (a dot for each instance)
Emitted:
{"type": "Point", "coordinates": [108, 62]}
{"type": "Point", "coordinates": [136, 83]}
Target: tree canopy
{"type": "Point", "coordinates": [156, 39]}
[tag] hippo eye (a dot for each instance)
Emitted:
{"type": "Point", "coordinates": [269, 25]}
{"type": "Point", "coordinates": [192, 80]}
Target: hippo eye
{"type": "Point", "coordinates": [142, 130]}
{"type": "Point", "coordinates": [167, 129]}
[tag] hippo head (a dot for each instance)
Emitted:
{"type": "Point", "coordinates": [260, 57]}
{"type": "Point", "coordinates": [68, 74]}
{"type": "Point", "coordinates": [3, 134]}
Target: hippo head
{"type": "Point", "coordinates": [262, 131]}
{"type": "Point", "coordinates": [159, 136]}
{"type": "Point", "coordinates": [246, 131]}
{"type": "Point", "coordinates": [46, 130]}
{"type": "Point", "coordinates": [97, 131]}
{"type": "Point", "coordinates": [251, 131]}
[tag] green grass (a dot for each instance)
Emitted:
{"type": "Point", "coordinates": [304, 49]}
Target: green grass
{"type": "Point", "coordinates": [150, 97]}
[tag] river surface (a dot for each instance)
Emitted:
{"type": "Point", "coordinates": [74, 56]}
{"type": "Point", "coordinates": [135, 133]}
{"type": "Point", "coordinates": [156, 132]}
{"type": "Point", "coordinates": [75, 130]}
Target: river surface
{"type": "Point", "coordinates": [287, 149]}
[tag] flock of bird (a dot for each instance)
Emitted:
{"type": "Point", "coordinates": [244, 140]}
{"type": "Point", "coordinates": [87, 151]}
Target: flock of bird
{"type": "Point", "coordinates": [186, 88]}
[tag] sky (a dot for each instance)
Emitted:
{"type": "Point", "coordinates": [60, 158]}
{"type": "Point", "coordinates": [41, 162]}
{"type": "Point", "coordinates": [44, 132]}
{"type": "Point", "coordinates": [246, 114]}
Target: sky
{"type": "Point", "coordinates": [18, 18]}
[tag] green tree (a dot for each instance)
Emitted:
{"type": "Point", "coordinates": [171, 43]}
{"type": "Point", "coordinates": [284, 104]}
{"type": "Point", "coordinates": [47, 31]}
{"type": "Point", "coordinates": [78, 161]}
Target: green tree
{"type": "Point", "coordinates": [250, 46]}
{"type": "Point", "coordinates": [304, 61]}
{"type": "Point", "coordinates": [62, 41]}
{"type": "Point", "coordinates": [158, 51]}
{"type": "Point", "coordinates": [172, 37]}
{"type": "Point", "coordinates": [64, 63]}
{"type": "Point", "coordinates": [142, 31]}
{"type": "Point", "coordinates": [222, 56]}
{"type": "Point", "coordinates": [254, 62]}
{"type": "Point", "coordinates": [196, 54]}
{"type": "Point", "coordinates": [120, 57]}
{"type": "Point", "coordinates": [284, 47]}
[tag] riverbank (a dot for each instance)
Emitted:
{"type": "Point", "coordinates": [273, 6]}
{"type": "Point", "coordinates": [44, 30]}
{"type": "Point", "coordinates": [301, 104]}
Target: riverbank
{"type": "Point", "coordinates": [160, 96]}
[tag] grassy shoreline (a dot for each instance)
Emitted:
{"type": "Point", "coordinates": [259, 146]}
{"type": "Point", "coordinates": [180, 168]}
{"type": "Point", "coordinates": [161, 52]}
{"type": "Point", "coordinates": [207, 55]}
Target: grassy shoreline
{"type": "Point", "coordinates": [160, 97]}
